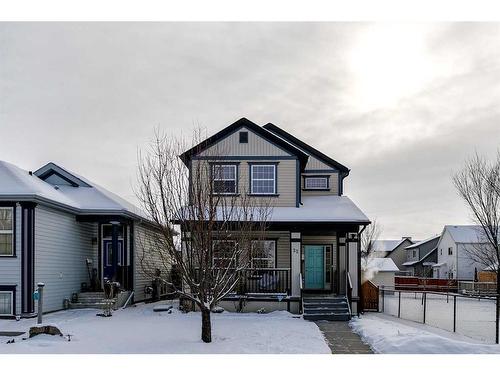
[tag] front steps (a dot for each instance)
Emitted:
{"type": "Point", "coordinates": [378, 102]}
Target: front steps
{"type": "Point", "coordinates": [97, 300]}
{"type": "Point", "coordinates": [326, 308]}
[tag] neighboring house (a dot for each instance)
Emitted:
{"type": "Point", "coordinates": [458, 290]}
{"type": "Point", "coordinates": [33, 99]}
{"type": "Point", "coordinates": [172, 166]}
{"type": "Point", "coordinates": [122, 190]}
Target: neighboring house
{"type": "Point", "coordinates": [454, 247]}
{"type": "Point", "coordinates": [393, 249]}
{"type": "Point", "coordinates": [313, 230]}
{"type": "Point", "coordinates": [381, 272]}
{"type": "Point", "coordinates": [421, 257]}
{"type": "Point", "coordinates": [55, 227]}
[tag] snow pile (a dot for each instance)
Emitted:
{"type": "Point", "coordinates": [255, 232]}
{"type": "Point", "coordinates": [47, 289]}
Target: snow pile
{"type": "Point", "coordinates": [140, 330]}
{"type": "Point", "coordinates": [390, 335]}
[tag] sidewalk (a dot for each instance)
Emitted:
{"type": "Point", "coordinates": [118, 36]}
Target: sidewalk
{"type": "Point", "coordinates": [341, 339]}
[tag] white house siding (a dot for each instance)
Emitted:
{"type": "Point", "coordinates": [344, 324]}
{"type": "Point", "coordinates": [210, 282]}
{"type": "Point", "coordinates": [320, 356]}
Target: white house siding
{"type": "Point", "coordinates": [465, 265]}
{"type": "Point", "coordinates": [333, 184]}
{"type": "Point", "coordinates": [256, 146]}
{"type": "Point", "coordinates": [10, 268]}
{"type": "Point", "coordinates": [145, 258]}
{"type": "Point", "coordinates": [62, 246]}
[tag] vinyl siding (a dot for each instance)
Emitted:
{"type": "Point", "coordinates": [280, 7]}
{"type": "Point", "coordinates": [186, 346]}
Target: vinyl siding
{"type": "Point", "coordinates": [333, 184]}
{"type": "Point", "coordinates": [256, 146]}
{"type": "Point", "coordinates": [10, 268]}
{"type": "Point", "coordinates": [146, 260]}
{"type": "Point", "coordinates": [286, 184]}
{"type": "Point", "coordinates": [314, 163]}
{"type": "Point", "coordinates": [62, 246]}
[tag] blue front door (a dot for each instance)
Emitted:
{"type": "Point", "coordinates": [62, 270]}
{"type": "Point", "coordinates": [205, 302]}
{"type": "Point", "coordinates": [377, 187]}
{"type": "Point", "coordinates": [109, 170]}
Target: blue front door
{"type": "Point", "coordinates": [314, 267]}
{"type": "Point", "coordinates": [109, 266]}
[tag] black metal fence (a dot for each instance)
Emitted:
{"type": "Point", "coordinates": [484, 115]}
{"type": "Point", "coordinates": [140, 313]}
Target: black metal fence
{"type": "Point", "coordinates": [471, 316]}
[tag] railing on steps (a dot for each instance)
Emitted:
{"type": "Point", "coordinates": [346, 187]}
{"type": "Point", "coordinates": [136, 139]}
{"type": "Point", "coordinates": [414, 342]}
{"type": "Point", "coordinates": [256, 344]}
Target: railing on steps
{"type": "Point", "coordinates": [349, 292]}
{"type": "Point", "coordinates": [301, 302]}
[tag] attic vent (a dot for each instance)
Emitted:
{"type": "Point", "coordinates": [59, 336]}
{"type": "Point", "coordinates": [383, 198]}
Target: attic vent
{"type": "Point", "coordinates": [243, 137]}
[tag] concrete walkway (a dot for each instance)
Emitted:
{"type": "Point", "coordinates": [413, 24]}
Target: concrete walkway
{"type": "Point", "coordinates": [341, 339]}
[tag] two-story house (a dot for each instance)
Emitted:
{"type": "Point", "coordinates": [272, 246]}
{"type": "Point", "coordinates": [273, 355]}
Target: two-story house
{"type": "Point", "coordinates": [313, 231]}
{"type": "Point", "coordinates": [457, 243]}
{"type": "Point", "coordinates": [393, 249]}
{"type": "Point", "coordinates": [421, 257]}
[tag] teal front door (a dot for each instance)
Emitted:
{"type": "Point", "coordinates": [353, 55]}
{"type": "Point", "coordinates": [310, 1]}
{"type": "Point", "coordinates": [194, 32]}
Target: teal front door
{"type": "Point", "coordinates": [314, 267]}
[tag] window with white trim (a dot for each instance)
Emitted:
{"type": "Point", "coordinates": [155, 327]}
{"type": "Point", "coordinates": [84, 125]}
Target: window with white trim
{"type": "Point", "coordinates": [263, 179]}
{"type": "Point", "coordinates": [224, 179]}
{"type": "Point", "coordinates": [222, 253]}
{"type": "Point", "coordinates": [6, 303]}
{"type": "Point", "coordinates": [316, 183]}
{"type": "Point", "coordinates": [6, 231]}
{"type": "Point", "coordinates": [263, 254]}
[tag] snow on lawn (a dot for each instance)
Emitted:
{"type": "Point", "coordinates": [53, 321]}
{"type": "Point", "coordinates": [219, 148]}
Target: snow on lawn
{"type": "Point", "coordinates": [390, 335]}
{"type": "Point", "coordinates": [140, 330]}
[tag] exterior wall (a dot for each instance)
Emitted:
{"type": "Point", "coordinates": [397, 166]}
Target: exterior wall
{"type": "Point", "coordinates": [256, 145]}
{"type": "Point", "coordinates": [445, 242]}
{"type": "Point", "coordinates": [286, 175]}
{"type": "Point", "coordinates": [398, 255]}
{"type": "Point", "coordinates": [385, 279]}
{"type": "Point", "coordinates": [333, 184]}
{"type": "Point", "coordinates": [62, 246]}
{"type": "Point", "coordinates": [10, 267]}
{"type": "Point", "coordinates": [313, 163]}
{"type": "Point", "coordinates": [465, 265]}
{"type": "Point", "coordinates": [146, 260]}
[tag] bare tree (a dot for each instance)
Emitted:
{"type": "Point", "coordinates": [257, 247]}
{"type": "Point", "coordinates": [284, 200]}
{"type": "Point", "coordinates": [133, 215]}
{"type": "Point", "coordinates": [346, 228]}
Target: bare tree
{"type": "Point", "coordinates": [368, 238]}
{"type": "Point", "coordinates": [218, 222]}
{"type": "Point", "coordinates": [478, 184]}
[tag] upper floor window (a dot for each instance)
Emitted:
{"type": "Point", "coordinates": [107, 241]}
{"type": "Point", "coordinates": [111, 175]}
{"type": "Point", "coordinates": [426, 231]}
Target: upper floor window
{"type": "Point", "coordinates": [6, 231]}
{"type": "Point", "coordinates": [450, 251]}
{"type": "Point", "coordinates": [414, 253]}
{"type": "Point", "coordinates": [224, 179]}
{"type": "Point", "coordinates": [243, 137]}
{"type": "Point", "coordinates": [263, 179]}
{"type": "Point", "coordinates": [316, 183]}
{"type": "Point", "coordinates": [263, 254]}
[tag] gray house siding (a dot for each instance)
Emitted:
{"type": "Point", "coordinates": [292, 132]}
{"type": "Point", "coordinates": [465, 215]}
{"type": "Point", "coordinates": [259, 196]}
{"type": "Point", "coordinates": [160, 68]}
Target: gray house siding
{"type": "Point", "coordinates": [333, 184]}
{"type": "Point", "coordinates": [62, 246]}
{"type": "Point", "coordinates": [398, 255]}
{"type": "Point", "coordinates": [10, 267]}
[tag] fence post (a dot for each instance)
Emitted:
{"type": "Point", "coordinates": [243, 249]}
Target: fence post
{"type": "Point", "coordinates": [425, 304]}
{"type": "Point", "coordinates": [399, 305]}
{"type": "Point", "coordinates": [454, 313]}
{"type": "Point", "coordinates": [383, 299]}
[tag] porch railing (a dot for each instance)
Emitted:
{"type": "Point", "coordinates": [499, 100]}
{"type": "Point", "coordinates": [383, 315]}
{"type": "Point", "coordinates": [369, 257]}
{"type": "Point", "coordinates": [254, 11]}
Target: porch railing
{"type": "Point", "coordinates": [263, 281]}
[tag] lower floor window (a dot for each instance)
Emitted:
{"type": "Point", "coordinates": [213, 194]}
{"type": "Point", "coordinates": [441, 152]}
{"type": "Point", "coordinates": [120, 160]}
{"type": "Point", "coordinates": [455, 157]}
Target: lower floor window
{"type": "Point", "coordinates": [263, 254]}
{"type": "Point", "coordinates": [6, 305]}
{"type": "Point", "coordinates": [223, 253]}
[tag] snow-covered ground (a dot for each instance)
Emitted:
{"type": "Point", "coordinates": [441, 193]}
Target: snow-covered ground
{"type": "Point", "coordinates": [140, 330]}
{"type": "Point", "coordinates": [475, 317]}
{"type": "Point", "coordinates": [389, 335]}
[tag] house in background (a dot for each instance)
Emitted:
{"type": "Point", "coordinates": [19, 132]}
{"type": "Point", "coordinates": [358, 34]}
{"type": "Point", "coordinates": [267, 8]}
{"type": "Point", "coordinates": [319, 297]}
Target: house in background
{"type": "Point", "coordinates": [393, 249]}
{"type": "Point", "coordinates": [55, 227]}
{"type": "Point", "coordinates": [381, 272]}
{"type": "Point", "coordinates": [453, 252]}
{"type": "Point", "coordinates": [421, 257]}
{"type": "Point", "coordinates": [313, 231]}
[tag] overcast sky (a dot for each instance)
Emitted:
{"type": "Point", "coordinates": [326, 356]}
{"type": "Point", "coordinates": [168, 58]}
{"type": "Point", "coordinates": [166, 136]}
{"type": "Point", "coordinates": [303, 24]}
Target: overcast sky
{"type": "Point", "coordinates": [401, 105]}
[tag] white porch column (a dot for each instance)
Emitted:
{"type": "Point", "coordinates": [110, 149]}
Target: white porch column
{"type": "Point", "coordinates": [352, 248]}
{"type": "Point", "coordinates": [295, 249]}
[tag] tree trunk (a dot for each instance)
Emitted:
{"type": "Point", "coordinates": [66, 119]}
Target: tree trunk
{"type": "Point", "coordinates": [206, 326]}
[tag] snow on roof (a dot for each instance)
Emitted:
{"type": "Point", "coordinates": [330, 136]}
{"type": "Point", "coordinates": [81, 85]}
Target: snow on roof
{"type": "Point", "coordinates": [18, 183]}
{"type": "Point", "coordinates": [410, 263]}
{"type": "Point", "coordinates": [439, 264]}
{"type": "Point", "coordinates": [326, 208]}
{"type": "Point", "coordinates": [387, 245]}
{"type": "Point", "coordinates": [417, 244]}
{"type": "Point", "coordinates": [382, 265]}
{"type": "Point", "coordinates": [466, 233]}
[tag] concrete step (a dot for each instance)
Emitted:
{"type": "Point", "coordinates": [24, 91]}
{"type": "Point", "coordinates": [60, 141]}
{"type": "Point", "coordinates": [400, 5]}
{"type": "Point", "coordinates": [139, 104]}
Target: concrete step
{"type": "Point", "coordinates": [327, 316]}
{"type": "Point", "coordinates": [326, 309]}
{"type": "Point", "coordinates": [331, 305]}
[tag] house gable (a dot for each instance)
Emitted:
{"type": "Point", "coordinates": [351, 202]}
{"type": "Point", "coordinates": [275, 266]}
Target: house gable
{"type": "Point", "coordinates": [55, 175]}
{"type": "Point", "coordinates": [260, 143]}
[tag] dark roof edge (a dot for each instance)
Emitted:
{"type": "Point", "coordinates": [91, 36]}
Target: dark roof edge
{"type": "Point", "coordinates": [297, 142]}
{"type": "Point", "coordinates": [244, 122]}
